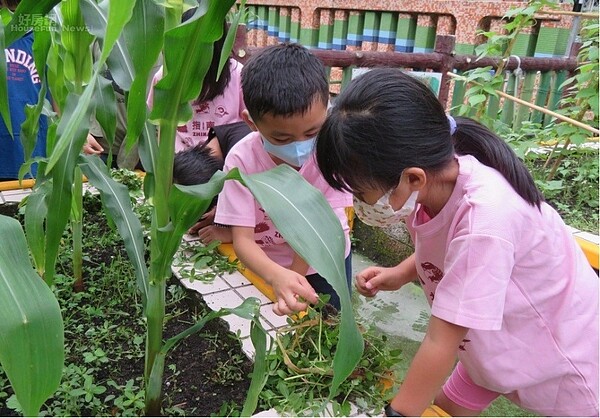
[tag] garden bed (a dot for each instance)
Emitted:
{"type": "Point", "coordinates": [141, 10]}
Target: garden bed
{"type": "Point", "coordinates": [104, 339]}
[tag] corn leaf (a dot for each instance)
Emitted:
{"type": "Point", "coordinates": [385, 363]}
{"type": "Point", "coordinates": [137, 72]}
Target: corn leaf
{"type": "Point", "coordinates": [24, 15]}
{"type": "Point", "coordinates": [188, 50]}
{"type": "Point", "coordinates": [30, 127]}
{"type": "Point", "coordinates": [143, 35]}
{"type": "Point", "coordinates": [35, 216]}
{"type": "Point", "coordinates": [72, 132]}
{"type": "Point", "coordinates": [76, 41]}
{"type": "Point", "coordinates": [307, 222]}
{"type": "Point", "coordinates": [116, 200]}
{"type": "Point", "coordinates": [105, 104]}
{"type": "Point", "coordinates": [32, 343]}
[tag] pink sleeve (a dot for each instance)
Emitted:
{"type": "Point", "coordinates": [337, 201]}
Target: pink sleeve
{"type": "Point", "coordinates": [155, 79]}
{"type": "Point", "coordinates": [477, 273]}
{"type": "Point", "coordinates": [236, 205]}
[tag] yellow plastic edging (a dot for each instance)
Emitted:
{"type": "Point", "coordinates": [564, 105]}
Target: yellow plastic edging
{"type": "Point", "coordinates": [258, 282]}
{"type": "Point", "coordinates": [16, 185]}
{"type": "Point", "coordinates": [591, 251]}
{"type": "Point", "coordinates": [434, 411]}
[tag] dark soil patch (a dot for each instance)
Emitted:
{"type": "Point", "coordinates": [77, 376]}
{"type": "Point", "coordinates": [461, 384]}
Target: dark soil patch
{"type": "Point", "coordinates": [204, 372]}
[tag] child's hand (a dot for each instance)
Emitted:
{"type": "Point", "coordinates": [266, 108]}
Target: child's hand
{"type": "Point", "coordinates": [373, 279]}
{"type": "Point", "coordinates": [214, 233]}
{"type": "Point", "coordinates": [292, 289]}
{"type": "Point", "coordinates": [206, 220]}
{"type": "Point", "coordinates": [92, 146]}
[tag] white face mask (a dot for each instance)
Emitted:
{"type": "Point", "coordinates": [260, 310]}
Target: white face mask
{"type": "Point", "coordinates": [295, 153]}
{"type": "Point", "coordinates": [381, 212]}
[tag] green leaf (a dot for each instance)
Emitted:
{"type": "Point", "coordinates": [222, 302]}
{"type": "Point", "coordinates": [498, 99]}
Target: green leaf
{"type": "Point", "coordinates": [188, 50]}
{"type": "Point", "coordinates": [24, 15]}
{"type": "Point", "coordinates": [32, 343]}
{"type": "Point", "coordinates": [118, 15]}
{"type": "Point", "coordinates": [143, 36]}
{"type": "Point", "coordinates": [30, 127]}
{"type": "Point", "coordinates": [76, 40]}
{"type": "Point", "coordinates": [186, 205]}
{"type": "Point", "coordinates": [117, 202]}
{"type": "Point", "coordinates": [476, 99]}
{"type": "Point", "coordinates": [259, 371]}
{"type": "Point", "coordinates": [105, 103]}
{"type": "Point", "coordinates": [35, 216]}
{"type": "Point", "coordinates": [307, 222]}
{"type": "Point", "coordinates": [72, 132]}
{"type": "Point", "coordinates": [4, 110]}
{"type": "Point", "coordinates": [230, 38]}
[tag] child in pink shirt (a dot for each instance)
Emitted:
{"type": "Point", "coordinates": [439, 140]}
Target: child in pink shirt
{"type": "Point", "coordinates": [512, 295]}
{"type": "Point", "coordinates": [286, 93]}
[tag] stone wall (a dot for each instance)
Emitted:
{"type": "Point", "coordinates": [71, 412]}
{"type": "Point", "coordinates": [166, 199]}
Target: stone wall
{"type": "Point", "coordinates": [396, 25]}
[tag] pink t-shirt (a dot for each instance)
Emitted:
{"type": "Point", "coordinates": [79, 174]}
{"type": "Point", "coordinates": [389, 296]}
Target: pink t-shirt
{"type": "Point", "coordinates": [515, 276]}
{"type": "Point", "coordinates": [237, 207]}
{"type": "Point", "coordinates": [223, 109]}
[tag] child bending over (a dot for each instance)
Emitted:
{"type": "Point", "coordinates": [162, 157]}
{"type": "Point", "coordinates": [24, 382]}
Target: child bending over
{"type": "Point", "coordinates": [511, 293]}
{"type": "Point", "coordinates": [286, 94]}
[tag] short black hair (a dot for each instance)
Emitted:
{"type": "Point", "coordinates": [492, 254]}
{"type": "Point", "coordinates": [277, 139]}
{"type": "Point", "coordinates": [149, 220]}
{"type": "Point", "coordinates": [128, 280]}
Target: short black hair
{"type": "Point", "coordinates": [195, 165]}
{"type": "Point", "coordinates": [283, 80]}
{"type": "Point", "coordinates": [10, 4]}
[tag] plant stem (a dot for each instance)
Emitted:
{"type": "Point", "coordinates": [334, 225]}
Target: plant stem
{"type": "Point", "coordinates": [77, 225]}
{"type": "Point", "coordinates": [155, 305]}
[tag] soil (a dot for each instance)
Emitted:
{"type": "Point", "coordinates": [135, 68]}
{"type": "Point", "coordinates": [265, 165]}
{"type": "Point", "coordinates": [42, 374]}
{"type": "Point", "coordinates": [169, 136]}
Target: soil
{"type": "Point", "coordinates": [194, 380]}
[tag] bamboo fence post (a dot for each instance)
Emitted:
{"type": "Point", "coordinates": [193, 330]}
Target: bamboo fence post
{"type": "Point", "coordinates": [541, 109]}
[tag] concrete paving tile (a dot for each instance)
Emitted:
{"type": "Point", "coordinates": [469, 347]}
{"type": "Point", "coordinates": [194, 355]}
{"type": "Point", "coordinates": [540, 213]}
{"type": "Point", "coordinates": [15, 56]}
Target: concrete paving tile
{"type": "Point", "coordinates": [251, 291]}
{"type": "Point", "coordinates": [216, 285]}
{"type": "Point", "coordinates": [235, 279]}
{"type": "Point", "coordinates": [225, 299]}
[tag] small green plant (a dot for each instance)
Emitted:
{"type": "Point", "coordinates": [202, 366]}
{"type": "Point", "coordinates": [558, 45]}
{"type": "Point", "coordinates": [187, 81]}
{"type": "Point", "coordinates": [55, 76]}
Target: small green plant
{"type": "Point", "coordinates": [206, 261]}
{"type": "Point", "coordinates": [300, 368]}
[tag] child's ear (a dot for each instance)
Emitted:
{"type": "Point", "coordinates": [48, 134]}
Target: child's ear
{"type": "Point", "coordinates": [248, 119]}
{"type": "Point", "coordinates": [416, 177]}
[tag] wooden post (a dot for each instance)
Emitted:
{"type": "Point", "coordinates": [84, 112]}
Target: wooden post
{"type": "Point", "coordinates": [444, 45]}
{"type": "Point", "coordinates": [240, 48]}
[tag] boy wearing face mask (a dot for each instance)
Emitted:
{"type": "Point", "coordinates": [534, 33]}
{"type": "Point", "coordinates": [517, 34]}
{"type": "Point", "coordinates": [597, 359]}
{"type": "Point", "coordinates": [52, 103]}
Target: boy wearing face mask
{"type": "Point", "coordinates": [286, 95]}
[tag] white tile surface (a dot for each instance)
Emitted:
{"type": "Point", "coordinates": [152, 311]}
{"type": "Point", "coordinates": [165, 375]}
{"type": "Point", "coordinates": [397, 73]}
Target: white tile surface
{"type": "Point", "coordinates": [237, 323]}
{"type": "Point", "coordinates": [227, 299]}
{"type": "Point", "coordinates": [572, 230]}
{"type": "Point", "coordinates": [216, 285]}
{"type": "Point", "coordinates": [15, 195]}
{"type": "Point", "coordinates": [236, 279]}
{"type": "Point", "coordinates": [249, 291]}
{"type": "Point", "coordinates": [275, 321]}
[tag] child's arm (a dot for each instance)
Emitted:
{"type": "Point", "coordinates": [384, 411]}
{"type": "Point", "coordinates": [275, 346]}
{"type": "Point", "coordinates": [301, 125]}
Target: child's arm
{"type": "Point", "coordinates": [288, 285]}
{"type": "Point", "coordinates": [373, 279]}
{"type": "Point", "coordinates": [299, 265]}
{"type": "Point", "coordinates": [429, 369]}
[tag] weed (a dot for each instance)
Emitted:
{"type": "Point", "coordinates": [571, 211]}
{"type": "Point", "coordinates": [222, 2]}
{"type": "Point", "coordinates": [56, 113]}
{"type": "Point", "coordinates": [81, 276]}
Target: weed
{"type": "Point", "coordinates": [299, 370]}
{"type": "Point", "coordinates": [206, 261]}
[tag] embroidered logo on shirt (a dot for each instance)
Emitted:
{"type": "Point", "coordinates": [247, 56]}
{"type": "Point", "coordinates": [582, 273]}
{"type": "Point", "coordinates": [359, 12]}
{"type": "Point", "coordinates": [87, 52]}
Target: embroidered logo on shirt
{"type": "Point", "coordinates": [203, 107]}
{"type": "Point", "coordinates": [463, 345]}
{"type": "Point", "coordinates": [220, 111]}
{"type": "Point", "coordinates": [432, 272]}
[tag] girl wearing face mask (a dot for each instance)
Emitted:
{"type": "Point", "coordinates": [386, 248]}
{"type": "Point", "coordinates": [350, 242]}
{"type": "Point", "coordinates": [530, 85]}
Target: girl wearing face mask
{"type": "Point", "coordinates": [512, 297]}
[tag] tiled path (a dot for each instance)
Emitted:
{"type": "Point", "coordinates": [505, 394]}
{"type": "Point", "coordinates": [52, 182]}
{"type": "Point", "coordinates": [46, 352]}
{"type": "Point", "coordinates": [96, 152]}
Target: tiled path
{"type": "Point", "coordinates": [229, 290]}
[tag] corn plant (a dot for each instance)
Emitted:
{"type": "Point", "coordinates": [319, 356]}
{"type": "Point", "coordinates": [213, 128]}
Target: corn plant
{"type": "Point", "coordinates": [131, 35]}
